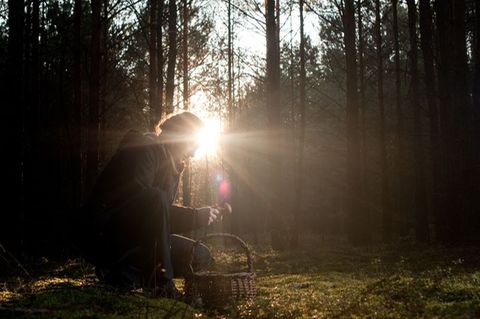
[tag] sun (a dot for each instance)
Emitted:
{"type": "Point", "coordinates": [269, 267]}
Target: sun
{"type": "Point", "coordinates": [208, 138]}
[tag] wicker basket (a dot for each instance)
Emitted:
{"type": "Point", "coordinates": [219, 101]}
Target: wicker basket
{"type": "Point", "coordinates": [217, 290]}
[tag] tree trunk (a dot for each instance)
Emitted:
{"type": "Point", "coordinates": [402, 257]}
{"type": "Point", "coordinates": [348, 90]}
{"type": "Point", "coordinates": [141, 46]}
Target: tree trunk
{"type": "Point", "coordinates": [172, 56]}
{"type": "Point", "coordinates": [187, 198]}
{"type": "Point", "coordinates": [273, 91]}
{"type": "Point", "coordinates": [400, 182]}
{"type": "Point", "coordinates": [443, 71]}
{"type": "Point", "coordinates": [157, 114]}
{"type": "Point", "coordinates": [234, 227]}
{"type": "Point", "coordinates": [421, 216]}
{"type": "Point", "coordinates": [451, 68]}
{"type": "Point", "coordinates": [31, 129]}
{"type": "Point", "coordinates": [186, 89]}
{"type": "Point", "coordinates": [357, 225]}
{"type": "Point", "coordinates": [153, 68]}
{"type": "Point", "coordinates": [77, 103]}
{"type": "Point", "coordinates": [230, 62]}
{"type": "Point", "coordinates": [426, 35]}
{"type": "Point", "coordinates": [465, 181]}
{"type": "Point", "coordinates": [103, 85]}
{"type": "Point", "coordinates": [277, 37]}
{"type": "Point", "coordinates": [35, 84]}
{"type": "Point", "coordinates": [27, 64]}
{"type": "Point", "coordinates": [362, 106]}
{"type": "Point", "coordinates": [13, 127]}
{"type": "Point", "coordinates": [301, 134]}
{"type": "Point", "coordinates": [476, 105]}
{"type": "Point", "coordinates": [386, 216]}
{"type": "Point", "coordinates": [93, 114]}
{"type": "Point", "coordinates": [476, 73]}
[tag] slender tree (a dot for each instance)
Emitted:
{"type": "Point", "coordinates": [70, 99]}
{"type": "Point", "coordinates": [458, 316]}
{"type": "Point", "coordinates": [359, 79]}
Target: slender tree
{"type": "Point", "coordinates": [94, 96]}
{"type": "Point", "coordinates": [301, 132]}
{"type": "Point", "coordinates": [357, 225]}
{"type": "Point", "coordinates": [153, 67]}
{"type": "Point", "coordinates": [476, 101]}
{"type": "Point", "coordinates": [362, 101]}
{"type": "Point", "coordinates": [421, 213]}
{"type": "Point", "coordinates": [400, 134]}
{"type": "Point", "coordinates": [476, 81]}
{"type": "Point", "coordinates": [386, 213]}
{"type": "Point", "coordinates": [77, 101]}
{"type": "Point", "coordinates": [236, 183]}
{"type": "Point", "coordinates": [277, 35]}
{"type": "Point", "coordinates": [426, 35]}
{"type": "Point", "coordinates": [186, 96]}
{"type": "Point", "coordinates": [13, 92]}
{"type": "Point", "coordinates": [35, 78]}
{"type": "Point", "coordinates": [186, 89]}
{"type": "Point", "coordinates": [103, 82]}
{"type": "Point", "coordinates": [453, 108]}
{"type": "Point", "coordinates": [157, 113]}
{"type": "Point", "coordinates": [172, 55]}
{"type": "Point", "coordinates": [27, 65]}
{"type": "Point", "coordinates": [31, 103]}
{"type": "Point", "coordinates": [465, 183]}
{"type": "Point", "coordinates": [273, 91]}
{"type": "Point", "coordinates": [443, 75]}
{"type": "Point", "coordinates": [230, 62]}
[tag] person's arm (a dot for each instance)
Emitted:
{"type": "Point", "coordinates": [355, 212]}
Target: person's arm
{"type": "Point", "coordinates": [144, 167]}
{"type": "Point", "coordinates": [184, 219]}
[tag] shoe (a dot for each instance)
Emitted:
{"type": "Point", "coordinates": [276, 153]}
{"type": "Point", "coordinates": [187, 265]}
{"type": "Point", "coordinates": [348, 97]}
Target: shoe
{"type": "Point", "coordinates": [123, 278]}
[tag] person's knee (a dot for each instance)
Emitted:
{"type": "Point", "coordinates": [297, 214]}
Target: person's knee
{"type": "Point", "coordinates": [203, 257]}
{"type": "Point", "coordinates": [181, 250]}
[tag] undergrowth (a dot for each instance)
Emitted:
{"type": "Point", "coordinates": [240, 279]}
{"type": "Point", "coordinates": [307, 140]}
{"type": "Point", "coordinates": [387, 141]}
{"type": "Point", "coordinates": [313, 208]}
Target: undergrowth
{"type": "Point", "coordinates": [323, 280]}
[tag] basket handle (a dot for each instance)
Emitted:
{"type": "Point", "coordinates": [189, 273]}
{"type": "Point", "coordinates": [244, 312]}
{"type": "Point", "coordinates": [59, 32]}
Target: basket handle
{"type": "Point", "coordinates": [218, 235]}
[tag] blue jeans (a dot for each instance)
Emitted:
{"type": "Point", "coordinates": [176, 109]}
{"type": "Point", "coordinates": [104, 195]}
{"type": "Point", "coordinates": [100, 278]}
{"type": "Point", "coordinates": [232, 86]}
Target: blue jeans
{"type": "Point", "coordinates": [127, 275]}
{"type": "Point", "coordinates": [134, 246]}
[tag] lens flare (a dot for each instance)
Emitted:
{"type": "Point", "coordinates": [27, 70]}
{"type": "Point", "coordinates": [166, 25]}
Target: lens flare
{"type": "Point", "coordinates": [225, 191]}
{"type": "Point", "coordinates": [208, 138]}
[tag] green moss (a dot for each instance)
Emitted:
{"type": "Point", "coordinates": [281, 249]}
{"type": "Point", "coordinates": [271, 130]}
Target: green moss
{"type": "Point", "coordinates": [320, 282]}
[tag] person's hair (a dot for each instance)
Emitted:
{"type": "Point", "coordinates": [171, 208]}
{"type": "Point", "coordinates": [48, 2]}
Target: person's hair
{"type": "Point", "coordinates": [180, 124]}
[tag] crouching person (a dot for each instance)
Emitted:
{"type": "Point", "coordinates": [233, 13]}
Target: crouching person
{"type": "Point", "coordinates": [131, 222]}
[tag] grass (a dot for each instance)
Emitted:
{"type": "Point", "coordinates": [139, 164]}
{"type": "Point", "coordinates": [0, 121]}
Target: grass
{"type": "Point", "coordinates": [321, 281]}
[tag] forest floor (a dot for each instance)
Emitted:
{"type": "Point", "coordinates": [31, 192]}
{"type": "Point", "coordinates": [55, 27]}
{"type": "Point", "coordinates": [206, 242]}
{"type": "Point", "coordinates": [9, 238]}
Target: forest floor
{"type": "Point", "coordinates": [320, 280]}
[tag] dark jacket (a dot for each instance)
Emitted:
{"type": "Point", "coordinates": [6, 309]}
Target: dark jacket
{"type": "Point", "coordinates": [142, 163]}
{"type": "Point", "coordinates": [133, 195]}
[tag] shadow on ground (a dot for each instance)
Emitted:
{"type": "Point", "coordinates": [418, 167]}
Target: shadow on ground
{"type": "Point", "coordinates": [316, 281]}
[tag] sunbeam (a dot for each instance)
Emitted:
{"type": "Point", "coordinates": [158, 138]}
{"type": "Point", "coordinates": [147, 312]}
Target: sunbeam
{"type": "Point", "coordinates": [209, 137]}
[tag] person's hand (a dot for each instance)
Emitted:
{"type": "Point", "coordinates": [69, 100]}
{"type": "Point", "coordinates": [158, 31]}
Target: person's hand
{"type": "Point", "coordinates": [213, 213]}
{"type": "Point", "coordinates": [224, 209]}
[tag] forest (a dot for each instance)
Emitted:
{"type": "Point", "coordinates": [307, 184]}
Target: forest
{"type": "Point", "coordinates": [345, 134]}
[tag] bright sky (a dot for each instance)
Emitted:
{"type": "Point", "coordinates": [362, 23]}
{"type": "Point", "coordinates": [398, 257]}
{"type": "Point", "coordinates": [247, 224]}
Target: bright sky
{"type": "Point", "coordinates": [254, 40]}
{"type": "Point", "coordinates": [248, 37]}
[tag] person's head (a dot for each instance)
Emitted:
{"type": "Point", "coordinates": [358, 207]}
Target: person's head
{"type": "Point", "coordinates": [179, 132]}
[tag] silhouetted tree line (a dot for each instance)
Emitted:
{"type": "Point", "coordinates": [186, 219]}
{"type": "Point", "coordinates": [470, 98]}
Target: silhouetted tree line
{"type": "Point", "coordinates": [391, 143]}
{"type": "Point", "coordinates": [439, 106]}
{"type": "Point", "coordinates": [373, 134]}
{"type": "Point", "coordinates": [75, 75]}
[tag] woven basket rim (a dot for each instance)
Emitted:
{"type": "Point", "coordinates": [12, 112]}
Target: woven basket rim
{"type": "Point", "coordinates": [209, 273]}
{"type": "Point", "coordinates": [242, 244]}
{"type": "Point", "coordinates": [221, 288]}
